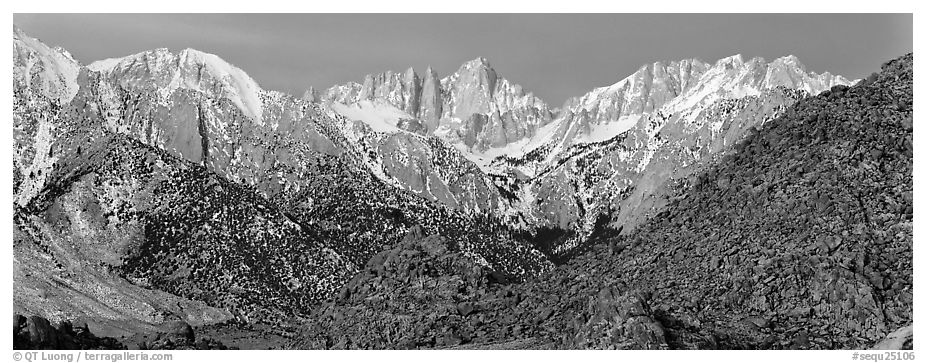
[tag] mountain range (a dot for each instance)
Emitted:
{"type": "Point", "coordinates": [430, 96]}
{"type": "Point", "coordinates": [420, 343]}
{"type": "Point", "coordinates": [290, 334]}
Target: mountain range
{"type": "Point", "coordinates": [800, 237]}
{"type": "Point", "coordinates": [609, 152]}
{"type": "Point", "coordinates": [167, 185]}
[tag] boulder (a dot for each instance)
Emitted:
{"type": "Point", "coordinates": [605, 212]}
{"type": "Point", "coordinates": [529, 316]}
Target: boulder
{"type": "Point", "coordinates": [179, 330]}
{"type": "Point", "coordinates": [41, 333]}
{"type": "Point", "coordinates": [620, 320]}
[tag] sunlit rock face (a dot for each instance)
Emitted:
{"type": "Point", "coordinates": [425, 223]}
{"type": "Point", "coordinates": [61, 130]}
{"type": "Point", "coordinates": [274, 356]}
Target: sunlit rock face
{"type": "Point", "coordinates": [473, 108]}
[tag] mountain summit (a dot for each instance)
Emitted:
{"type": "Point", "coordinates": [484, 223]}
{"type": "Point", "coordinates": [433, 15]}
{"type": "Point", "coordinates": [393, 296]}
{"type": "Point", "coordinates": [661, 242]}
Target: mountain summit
{"type": "Point", "coordinates": [189, 69]}
{"type": "Point", "coordinates": [473, 108]}
{"type": "Point", "coordinates": [679, 85]}
{"type": "Point", "coordinates": [486, 116]}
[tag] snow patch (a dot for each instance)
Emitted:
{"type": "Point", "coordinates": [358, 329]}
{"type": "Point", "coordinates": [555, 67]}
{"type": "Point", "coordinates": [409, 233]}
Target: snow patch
{"type": "Point", "coordinates": [380, 116]}
{"type": "Point", "coordinates": [42, 164]}
{"type": "Point", "coordinates": [608, 130]}
{"type": "Point", "coordinates": [105, 65]}
{"type": "Point", "coordinates": [242, 89]}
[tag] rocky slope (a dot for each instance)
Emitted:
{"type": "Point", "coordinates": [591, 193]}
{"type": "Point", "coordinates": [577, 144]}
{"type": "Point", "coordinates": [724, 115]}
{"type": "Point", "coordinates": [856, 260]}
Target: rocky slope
{"type": "Point", "coordinates": [800, 238]}
{"type": "Point", "coordinates": [423, 165]}
{"type": "Point", "coordinates": [424, 294]}
{"type": "Point", "coordinates": [616, 149]}
{"type": "Point", "coordinates": [804, 232]}
{"type": "Point", "coordinates": [61, 259]}
{"type": "Point", "coordinates": [405, 297]}
{"type": "Point", "coordinates": [157, 221]}
{"type": "Point", "coordinates": [171, 185]}
{"type": "Point", "coordinates": [44, 79]}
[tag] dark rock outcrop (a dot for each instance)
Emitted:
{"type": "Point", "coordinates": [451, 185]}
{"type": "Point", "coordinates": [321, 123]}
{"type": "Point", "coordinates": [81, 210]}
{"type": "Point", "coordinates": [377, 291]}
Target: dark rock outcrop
{"type": "Point", "coordinates": [174, 335]}
{"type": "Point", "coordinates": [179, 330]}
{"type": "Point", "coordinates": [421, 293]}
{"type": "Point", "coordinates": [36, 332]}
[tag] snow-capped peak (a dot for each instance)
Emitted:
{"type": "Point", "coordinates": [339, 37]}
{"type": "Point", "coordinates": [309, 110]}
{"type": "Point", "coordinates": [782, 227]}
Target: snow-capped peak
{"type": "Point", "coordinates": [473, 108]}
{"type": "Point", "coordinates": [735, 60]}
{"type": "Point", "coordinates": [58, 68]}
{"type": "Point", "coordinates": [189, 69]}
{"type": "Point", "coordinates": [478, 62]}
{"type": "Point", "coordinates": [789, 72]}
{"type": "Point", "coordinates": [243, 90]}
{"type": "Point", "coordinates": [678, 87]}
{"type": "Point", "coordinates": [792, 61]}
{"type": "Point", "coordinates": [608, 111]}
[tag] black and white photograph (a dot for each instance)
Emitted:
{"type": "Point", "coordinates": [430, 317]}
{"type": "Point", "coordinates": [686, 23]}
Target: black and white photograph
{"type": "Point", "coordinates": [461, 181]}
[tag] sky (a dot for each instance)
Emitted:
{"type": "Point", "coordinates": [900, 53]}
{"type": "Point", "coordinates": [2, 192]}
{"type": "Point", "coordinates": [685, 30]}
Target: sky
{"type": "Point", "coordinates": [556, 56]}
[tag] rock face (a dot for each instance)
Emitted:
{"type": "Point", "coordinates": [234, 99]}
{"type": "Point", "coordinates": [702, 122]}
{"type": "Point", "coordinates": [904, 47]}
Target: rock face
{"type": "Point", "coordinates": [485, 111]}
{"type": "Point", "coordinates": [473, 108]}
{"type": "Point", "coordinates": [61, 223]}
{"type": "Point", "coordinates": [311, 95]}
{"type": "Point", "coordinates": [276, 151]}
{"type": "Point", "coordinates": [402, 89]}
{"type": "Point", "coordinates": [202, 109]}
{"type": "Point", "coordinates": [164, 73]}
{"type": "Point", "coordinates": [431, 104]}
{"type": "Point", "coordinates": [790, 72]}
